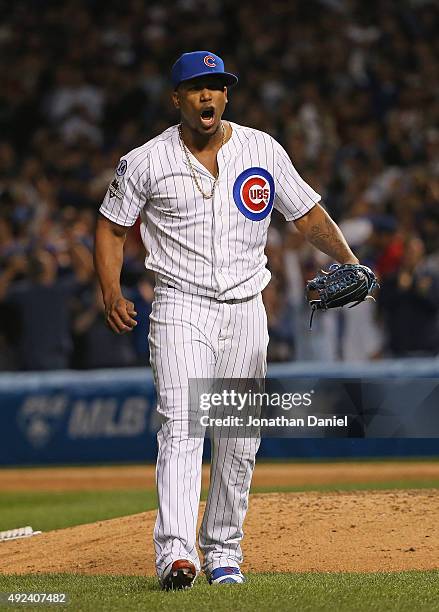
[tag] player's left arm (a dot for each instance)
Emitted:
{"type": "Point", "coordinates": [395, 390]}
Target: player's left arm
{"type": "Point", "coordinates": [322, 232]}
{"type": "Point", "coordinates": [297, 201]}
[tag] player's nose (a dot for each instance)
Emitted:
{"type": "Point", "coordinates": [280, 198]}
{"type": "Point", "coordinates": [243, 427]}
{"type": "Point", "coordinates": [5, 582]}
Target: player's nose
{"type": "Point", "coordinates": [205, 94]}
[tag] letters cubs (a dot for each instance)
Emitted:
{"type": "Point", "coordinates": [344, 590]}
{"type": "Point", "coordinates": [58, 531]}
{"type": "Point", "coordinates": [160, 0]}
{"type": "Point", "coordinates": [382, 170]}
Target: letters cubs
{"type": "Point", "coordinates": [205, 190]}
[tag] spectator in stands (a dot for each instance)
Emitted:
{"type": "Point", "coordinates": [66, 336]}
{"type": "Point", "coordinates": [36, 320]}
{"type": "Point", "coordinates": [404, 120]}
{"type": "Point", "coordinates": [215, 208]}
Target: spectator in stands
{"type": "Point", "coordinates": [42, 304]}
{"type": "Point", "coordinates": [360, 333]}
{"type": "Point", "coordinates": [385, 246]}
{"type": "Point", "coordinates": [142, 294]}
{"type": "Point", "coordinates": [280, 346]}
{"type": "Point", "coordinates": [410, 303]}
{"type": "Point", "coordinates": [96, 345]}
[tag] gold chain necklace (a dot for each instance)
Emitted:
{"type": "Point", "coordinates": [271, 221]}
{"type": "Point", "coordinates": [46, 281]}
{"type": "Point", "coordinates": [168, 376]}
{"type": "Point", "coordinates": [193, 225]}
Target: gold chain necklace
{"type": "Point", "coordinates": [206, 196]}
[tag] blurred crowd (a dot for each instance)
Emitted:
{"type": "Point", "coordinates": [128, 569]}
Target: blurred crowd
{"type": "Point", "coordinates": [349, 88]}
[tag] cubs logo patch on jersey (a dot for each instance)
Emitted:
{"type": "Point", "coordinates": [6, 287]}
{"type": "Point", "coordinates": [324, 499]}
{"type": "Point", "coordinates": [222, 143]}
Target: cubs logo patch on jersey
{"type": "Point", "coordinates": [253, 192]}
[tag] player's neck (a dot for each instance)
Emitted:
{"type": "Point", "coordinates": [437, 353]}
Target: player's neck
{"type": "Point", "coordinates": [198, 143]}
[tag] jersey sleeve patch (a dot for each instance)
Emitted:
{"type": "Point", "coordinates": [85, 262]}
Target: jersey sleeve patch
{"type": "Point", "coordinates": [121, 167]}
{"type": "Point", "coordinates": [125, 196]}
{"type": "Point", "coordinates": [114, 189]}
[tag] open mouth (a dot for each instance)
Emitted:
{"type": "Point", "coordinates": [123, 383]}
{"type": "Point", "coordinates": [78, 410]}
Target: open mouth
{"type": "Point", "coordinates": [208, 116]}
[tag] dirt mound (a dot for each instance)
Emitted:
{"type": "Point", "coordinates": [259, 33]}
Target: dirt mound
{"type": "Point", "coordinates": [109, 478]}
{"type": "Point", "coordinates": [292, 532]}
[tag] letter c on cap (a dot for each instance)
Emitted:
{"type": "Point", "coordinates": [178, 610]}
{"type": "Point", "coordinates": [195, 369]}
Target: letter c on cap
{"type": "Point", "coordinates": [209, 61]}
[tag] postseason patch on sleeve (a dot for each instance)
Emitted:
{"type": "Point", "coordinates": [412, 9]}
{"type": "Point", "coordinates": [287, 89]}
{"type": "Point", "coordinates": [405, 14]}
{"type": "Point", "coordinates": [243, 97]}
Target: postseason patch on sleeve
{"type": "Point", "coordinates": [114, 189]}
{"type": "Point", "coordinates": [115, 186]}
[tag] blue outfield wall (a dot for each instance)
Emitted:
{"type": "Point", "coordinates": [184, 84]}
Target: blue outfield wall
{"type": "Point", "coordinates": [109, 416]}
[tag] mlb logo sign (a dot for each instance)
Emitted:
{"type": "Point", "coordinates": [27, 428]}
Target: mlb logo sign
{"type": "Point", "coordinates": [253, 193]}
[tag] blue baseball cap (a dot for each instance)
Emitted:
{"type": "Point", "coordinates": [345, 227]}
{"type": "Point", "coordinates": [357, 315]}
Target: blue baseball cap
{"type": "Point", "coordinates": [197, 64]}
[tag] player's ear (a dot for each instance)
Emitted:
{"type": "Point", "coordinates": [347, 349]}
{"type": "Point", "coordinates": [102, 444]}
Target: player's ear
{"type": "Point", "coordinates": [225, 94]}
{"type": "Point", "coordinates": [176, 99]}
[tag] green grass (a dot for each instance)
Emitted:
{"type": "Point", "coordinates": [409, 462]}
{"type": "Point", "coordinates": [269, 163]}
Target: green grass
{"type": "Point", "coordinates": [398, 592]}
{"type": "Point", "coordinates": [54, 510]}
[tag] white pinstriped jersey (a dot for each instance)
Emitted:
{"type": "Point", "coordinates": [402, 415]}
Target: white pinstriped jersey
{"type": "Point", "coordinates": [211, 247]}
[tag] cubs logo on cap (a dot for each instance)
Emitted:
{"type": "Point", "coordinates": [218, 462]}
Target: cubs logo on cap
{"type": "Point", "coordinates": [254, 192]}
{"type": "Point", "coordinates": [200, 64]}
{"type": "Point", "coordinates": [209, 60]}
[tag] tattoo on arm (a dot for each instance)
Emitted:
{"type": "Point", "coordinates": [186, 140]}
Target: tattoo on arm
{"type": "Point", "coordinates": [327, 237]}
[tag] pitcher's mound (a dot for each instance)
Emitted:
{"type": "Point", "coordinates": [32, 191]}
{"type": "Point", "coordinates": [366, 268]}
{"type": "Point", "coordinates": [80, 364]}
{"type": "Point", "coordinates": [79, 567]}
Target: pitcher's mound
{"type": "Point", "coordinates": [290, 532]}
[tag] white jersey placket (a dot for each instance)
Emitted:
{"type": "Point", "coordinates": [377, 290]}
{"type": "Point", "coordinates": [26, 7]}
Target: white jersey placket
{"type": "Point", "coordinates": [218, 219]}
{"type": "Point", "coordinates": [217, 207]}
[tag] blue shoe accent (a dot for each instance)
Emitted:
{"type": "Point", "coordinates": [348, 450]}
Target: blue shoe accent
{"type": "Point", "coordinates": [226, 575]}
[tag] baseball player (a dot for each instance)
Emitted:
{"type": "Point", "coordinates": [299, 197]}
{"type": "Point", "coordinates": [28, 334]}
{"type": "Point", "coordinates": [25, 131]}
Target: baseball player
{"type": "Point", "coordinates": [204, 190]}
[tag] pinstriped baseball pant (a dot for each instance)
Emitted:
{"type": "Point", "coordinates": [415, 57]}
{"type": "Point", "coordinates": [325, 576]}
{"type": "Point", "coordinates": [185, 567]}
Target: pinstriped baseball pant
{"type": "Point", "coordinates": [197, 337]}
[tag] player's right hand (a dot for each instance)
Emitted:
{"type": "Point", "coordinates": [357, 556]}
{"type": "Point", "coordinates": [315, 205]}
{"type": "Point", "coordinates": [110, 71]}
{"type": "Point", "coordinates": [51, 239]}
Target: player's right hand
{"type": "Point", "coordinates": [119, 314]}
